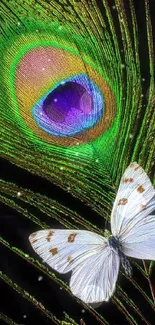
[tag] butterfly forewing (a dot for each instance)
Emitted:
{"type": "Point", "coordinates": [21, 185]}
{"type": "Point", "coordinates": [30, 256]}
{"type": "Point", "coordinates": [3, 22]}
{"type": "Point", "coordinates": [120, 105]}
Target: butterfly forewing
{"type": "Point", "coordinates": [131, 219]}
{"type": "Point", "coordinates": [133, 197]}
{"type": "Point", "coordinates": [65, 249]}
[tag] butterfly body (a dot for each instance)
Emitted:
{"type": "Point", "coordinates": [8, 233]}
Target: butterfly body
{"type": "Point", "coordinates": [79, 251]}
{"type": "Point", "coordinates": [126, 264]}
{"type": "Point", "coordinates": [116, 245]}
{"type": "Point", "coordinates": [114, 242]}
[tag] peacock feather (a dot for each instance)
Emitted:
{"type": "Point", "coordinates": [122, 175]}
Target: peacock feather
{"type": "Point", "coordinates": [77, 106]}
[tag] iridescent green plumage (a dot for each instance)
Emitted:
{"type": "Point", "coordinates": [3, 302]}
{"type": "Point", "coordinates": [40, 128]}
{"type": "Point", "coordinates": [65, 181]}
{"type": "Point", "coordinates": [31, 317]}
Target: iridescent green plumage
{"type": "Point", "coordinates": [88, 165]}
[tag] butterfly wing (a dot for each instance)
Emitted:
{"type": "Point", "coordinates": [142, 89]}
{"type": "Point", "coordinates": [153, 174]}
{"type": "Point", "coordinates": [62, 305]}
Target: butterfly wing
{"type": "Point", "coordinates": [131, 219]}
{"type": "Point", "coordinates": [133, 198]}
{"type": "Point", "coordinates": [62, 248]}
{"type": "Point", "coordinates": [94, 280]}
{"type": "Point", "coordinates": [93, 263]}
{"type": "Point", "coordinates": [139, 242]}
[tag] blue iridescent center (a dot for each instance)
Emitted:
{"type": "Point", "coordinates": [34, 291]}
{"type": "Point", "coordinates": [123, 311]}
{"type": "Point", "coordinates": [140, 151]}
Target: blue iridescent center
{"type": "Point", "coordinates": [74, 105]}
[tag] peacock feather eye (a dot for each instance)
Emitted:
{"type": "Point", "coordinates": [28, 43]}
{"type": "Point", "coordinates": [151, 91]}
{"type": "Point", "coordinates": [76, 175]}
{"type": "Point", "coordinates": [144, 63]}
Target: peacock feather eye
{"type": "Point", "coordinates": [72, 90]}
{"type": "Point", "coordinates": [58, 92]}
{"type": "Point", "coordinates": [60, 97]}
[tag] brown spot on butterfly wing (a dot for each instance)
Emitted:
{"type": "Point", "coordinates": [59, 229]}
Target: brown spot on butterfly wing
{"type": "Point", "coordinates": [123, 201]}
{"type": "Point", "coordinates": [69, 259]}
{"type": "Point", "coordinates": [71, 237]}
{"type": "Point", "coordinates": [127, 180]}
{"type": "Point", "coordinates": [33, 235]}
{"type": "Point", "coordinates": [34, 241]}
{"type": "Point", "coordinates": [143, 207]}
{"type": "Point", "coordinates": [32, 238]}
{"type": "Point", "coordinates": [138, 167]}
{"type": "Point", "coordinates": [49, 235]}
{"type": "Point", "coordinates": [140, 189]}
{"type": "Point", "coordinates": [54, 251]}
{"type": "Point", "coordinates": [132, 164]}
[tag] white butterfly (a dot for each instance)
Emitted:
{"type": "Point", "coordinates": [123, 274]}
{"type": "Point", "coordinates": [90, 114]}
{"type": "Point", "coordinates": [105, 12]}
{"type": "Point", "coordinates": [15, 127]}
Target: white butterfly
{"type": "Point", "coordinates": [93, 259]}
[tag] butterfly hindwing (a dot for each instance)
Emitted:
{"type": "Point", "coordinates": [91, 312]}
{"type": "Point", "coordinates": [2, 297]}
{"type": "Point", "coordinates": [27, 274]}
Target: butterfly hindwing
{"type": "Point", "coordinates": [140, 240]}
{"type": "Point", "coordinates": [95, 279]}
{"type": "Point", "coordinates": [134, 196]}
